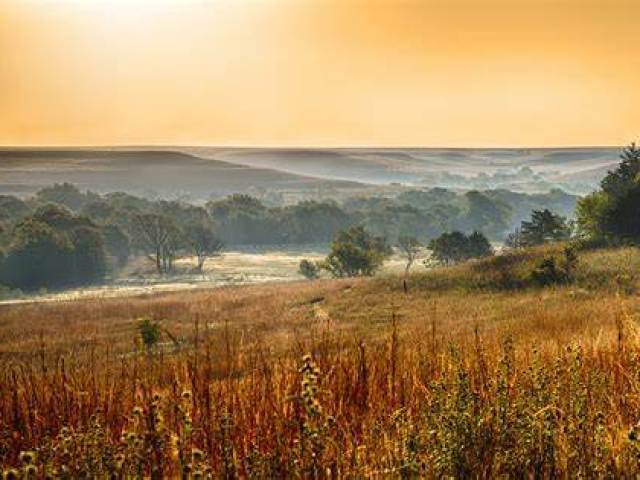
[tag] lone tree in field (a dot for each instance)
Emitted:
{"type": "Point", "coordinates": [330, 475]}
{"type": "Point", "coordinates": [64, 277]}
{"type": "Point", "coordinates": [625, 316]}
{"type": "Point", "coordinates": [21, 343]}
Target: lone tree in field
{"type": "Point", "coordinates": [410, 248]}
{"type": "Point", "coordinates": [355, 252]}
{"type": "Point", "coordinates": [161, 236]}
{"type": "Point", "coordinates": [204, 242]}
{"type": "Point", "coordinates": [455, 247]}
{"type": "Point", "coordinates": [612, 214]}
{"type": "Point", "coordinates": [308, 269]}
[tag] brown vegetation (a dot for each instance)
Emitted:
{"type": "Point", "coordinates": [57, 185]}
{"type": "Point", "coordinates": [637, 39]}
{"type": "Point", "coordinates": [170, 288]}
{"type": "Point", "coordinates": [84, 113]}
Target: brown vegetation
{"type": "Point", "coordinates": [471, 372]}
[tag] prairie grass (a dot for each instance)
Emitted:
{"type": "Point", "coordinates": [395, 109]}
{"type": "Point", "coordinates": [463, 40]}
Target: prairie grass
{"type": "Point", "coordinates": [470, 373]}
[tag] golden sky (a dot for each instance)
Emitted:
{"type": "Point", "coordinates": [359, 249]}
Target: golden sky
{"type": "Point", "coordinates": [320, 72]}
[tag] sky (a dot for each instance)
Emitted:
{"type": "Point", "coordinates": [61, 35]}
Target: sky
{"type": "Point", "coordinates": [455, 73]}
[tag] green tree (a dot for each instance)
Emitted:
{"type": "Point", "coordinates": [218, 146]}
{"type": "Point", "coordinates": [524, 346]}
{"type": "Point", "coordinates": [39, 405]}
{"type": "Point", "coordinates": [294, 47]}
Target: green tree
{"type": "Point", "coordinates": [543, 227]}
{"type": "Point", "coordinates": [204, 242]}
{"type": "Point", "coordinates": [65, 194]}
{"type": "Point", "coordinates": [410, 248]}
{"type": "Point", "coordinates": [449, 248]}
{"type": "Point", "coordinates": [479, 246]}
{"type": "Point", "coordinates": [38, 257]}
{"type": "Point", "coordinates": [355, 252]}
{"type": "Point", "coordinates": [12, 209]}
{"type": "Point", "coordinates": [308, 269]}
{"type": "Point", "coordinates": [455, 247]}
{"type": "Point", "coordinates": [116, 244]}
{"type": "Point", "coordinates": [619, 182]}
{"type": "Point", "coordinates": [613, 213]}
{"type": "Point", "coordinates": [491, 215]}
{"type": "Point", "coordinates": [89, 261]}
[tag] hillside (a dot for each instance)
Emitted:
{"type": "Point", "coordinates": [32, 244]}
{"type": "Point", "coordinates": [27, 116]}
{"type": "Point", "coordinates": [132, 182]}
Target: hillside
{"type": "Point", "coordinates": [163, 173]}
{"type": "Point", "coordinates": [474, 369]}
{"type": "Point", "coordinates": [198, 172]}
{"type": "Point", "coordinates": [576, 170]}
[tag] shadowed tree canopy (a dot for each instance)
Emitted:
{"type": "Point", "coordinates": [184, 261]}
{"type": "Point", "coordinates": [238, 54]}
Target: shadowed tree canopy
{"type": "Point", "coordinates": [613, 213]}
{"type": "Point", "coordinates": [39, 256]}
{"type": "Point", "coordinates": [454, 247]}
{"type": "Point", "coordinates": [66, 194]}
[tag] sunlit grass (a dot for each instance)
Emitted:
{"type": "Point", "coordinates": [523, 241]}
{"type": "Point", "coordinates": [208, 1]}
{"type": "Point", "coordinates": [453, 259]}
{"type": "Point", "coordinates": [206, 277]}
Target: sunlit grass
{"type": "Point", "coordinates": [464, 375]}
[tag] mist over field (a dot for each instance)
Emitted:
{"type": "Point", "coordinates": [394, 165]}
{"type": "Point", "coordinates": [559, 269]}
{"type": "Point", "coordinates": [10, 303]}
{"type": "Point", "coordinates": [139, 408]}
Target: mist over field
{"type": "Point", "coordinates": [200, 172]}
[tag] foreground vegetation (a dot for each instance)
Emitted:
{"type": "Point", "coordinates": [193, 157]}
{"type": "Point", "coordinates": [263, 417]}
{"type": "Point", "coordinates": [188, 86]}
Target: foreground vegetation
{"type": "Point", "coordinates": [474, 370]}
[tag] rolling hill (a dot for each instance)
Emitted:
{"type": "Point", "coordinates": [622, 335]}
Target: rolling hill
{"type": "Point", "coordinates": [156, 172]}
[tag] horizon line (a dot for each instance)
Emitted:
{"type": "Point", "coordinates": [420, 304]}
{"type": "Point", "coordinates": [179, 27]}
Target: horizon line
{"type": "Point", "coordinates": [301, 147]}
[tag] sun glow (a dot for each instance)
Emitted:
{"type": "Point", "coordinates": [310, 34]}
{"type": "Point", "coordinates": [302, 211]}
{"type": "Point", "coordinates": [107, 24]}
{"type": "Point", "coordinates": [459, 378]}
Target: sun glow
{"type": "Point", "coordinates": [319, 72]}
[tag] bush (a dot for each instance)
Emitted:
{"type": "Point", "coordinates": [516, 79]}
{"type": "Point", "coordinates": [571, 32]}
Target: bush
{"type": "Point", "coordinates": [551, 271]}
{"type": "Point", "coordinates": [149, 332]}
{"type": "Point", "coordinates": [355, 252]}
{"type": "Point", "coordinates": [308, 269]}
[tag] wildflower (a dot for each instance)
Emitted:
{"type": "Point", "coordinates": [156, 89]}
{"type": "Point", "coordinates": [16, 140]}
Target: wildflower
{"type": "Point", "coordinates": [27, 457]}
{"type": "Point", "coordinates": [11, 474]}
{"type": "Point", "coordinates": [197, 455]}
{"type": "Point", "coordinates": [30, 471]}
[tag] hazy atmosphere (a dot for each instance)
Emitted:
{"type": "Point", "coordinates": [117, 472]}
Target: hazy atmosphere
{"type": "Point", "coordinates": [319, 239]}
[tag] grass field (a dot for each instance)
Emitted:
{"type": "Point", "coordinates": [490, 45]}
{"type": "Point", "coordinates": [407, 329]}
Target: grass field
{"type": "Point", "coordinates": [472, 372]}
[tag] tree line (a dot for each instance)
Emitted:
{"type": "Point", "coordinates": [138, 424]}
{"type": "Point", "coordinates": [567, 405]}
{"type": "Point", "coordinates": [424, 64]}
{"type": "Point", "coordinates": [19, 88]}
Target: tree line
{"type": "Point", "coordinates": [64, 236]}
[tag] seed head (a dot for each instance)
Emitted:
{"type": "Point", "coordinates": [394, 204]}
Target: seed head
{"type": "Point", "coordinates": [197, 455]}
{"type": "Point", "coordinates": [27, 457]}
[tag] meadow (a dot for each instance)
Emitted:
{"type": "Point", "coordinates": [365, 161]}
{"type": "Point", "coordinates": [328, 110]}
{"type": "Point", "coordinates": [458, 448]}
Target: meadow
{"type": "Point", "coordinates": [471, 371]}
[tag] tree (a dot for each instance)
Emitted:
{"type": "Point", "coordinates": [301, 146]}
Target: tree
{"type": "Point", "coordinates": [38, 257]}
{"type": "Point", "coordinates": [449, 248]}
{"type": "Point", "coordinates": [308, 269]}
{"type": "Point", "coordinates": [613, 213]}
{"type": "Point", "coordinates": [159, 235]}
{"type": "Point", "coordinates": [544, 227]}
{"type": "Point", "coordinates": [59, 217]}
{"type": "Point", "coordinates": [12, 209]}
{"type": "Point", "coordinates": [65, 194]}
{"type": "Point", "coordinates": [618, 182]}
{"type": "Point", "coordinates": [204, 242]}
{"type": "Point", "coordinates": [89, 262]}
{"type": "Point", "coordinates": [592, 214]}
{"type": "Point", "coordinates": [410, 247]}
{"type": "Point", "coordinates": [116, 243]}
{"type": "Point", "coordinates": [479, 246]}
{"type": "Point", "coordinates": [491, 215]}
{"type": "Point", "coordinates": [514, 239]}
{"type": "Point", "coordinates": [355, 252]}
{"type": "Point", "coordinates": [454, 247]}
{"type": "Point", "coordinates": [310, 222]}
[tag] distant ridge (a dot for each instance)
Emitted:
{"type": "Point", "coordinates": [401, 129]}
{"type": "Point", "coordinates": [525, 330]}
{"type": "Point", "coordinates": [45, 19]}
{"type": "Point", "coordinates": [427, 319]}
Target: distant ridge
{"type": "Point", "coordinates": [166, 172]}
{"type": "Point", "coordinates": [202, 171]}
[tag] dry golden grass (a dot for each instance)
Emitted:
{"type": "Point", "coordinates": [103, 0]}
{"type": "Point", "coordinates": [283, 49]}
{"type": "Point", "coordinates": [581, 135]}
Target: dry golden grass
{"type": "Point", "coordinates": [463, 375]}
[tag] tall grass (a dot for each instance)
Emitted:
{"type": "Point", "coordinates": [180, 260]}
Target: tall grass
{"type": "Point", "coordinates": [459, 381]}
